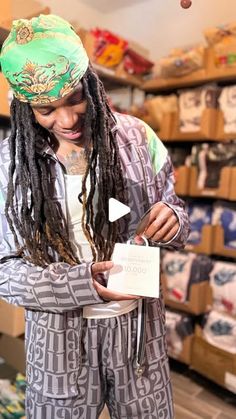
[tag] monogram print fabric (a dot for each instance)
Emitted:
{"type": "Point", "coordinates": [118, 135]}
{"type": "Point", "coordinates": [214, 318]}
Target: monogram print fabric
{"type": "Point", "coordinates": [53, 297]}
{"type": "Point", "coordinates": [107, 372]}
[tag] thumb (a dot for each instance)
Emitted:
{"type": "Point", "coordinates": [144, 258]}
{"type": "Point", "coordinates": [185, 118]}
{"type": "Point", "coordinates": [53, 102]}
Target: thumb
{"type": "Point", "coordinates": [100, 267]}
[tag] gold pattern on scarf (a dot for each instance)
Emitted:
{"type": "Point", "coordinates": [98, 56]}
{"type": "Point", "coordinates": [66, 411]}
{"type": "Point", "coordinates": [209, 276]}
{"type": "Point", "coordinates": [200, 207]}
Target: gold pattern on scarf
{"type": "Point", "coordinates": [24, 34]}
{"type": "Point", "coordinates": [42, 79]}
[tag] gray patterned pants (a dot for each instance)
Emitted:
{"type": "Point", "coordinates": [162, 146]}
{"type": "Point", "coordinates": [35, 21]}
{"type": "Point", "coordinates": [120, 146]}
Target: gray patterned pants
{"type": "Point", "coordinates": [109, 375]}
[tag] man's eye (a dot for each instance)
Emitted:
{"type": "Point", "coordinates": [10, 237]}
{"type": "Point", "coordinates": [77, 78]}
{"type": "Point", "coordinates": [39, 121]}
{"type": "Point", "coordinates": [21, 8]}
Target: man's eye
{"type": "Point", "coordinates": [45, 113]}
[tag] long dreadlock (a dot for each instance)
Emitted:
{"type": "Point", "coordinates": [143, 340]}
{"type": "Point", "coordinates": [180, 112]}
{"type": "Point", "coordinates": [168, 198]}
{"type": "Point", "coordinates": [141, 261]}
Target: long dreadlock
{"type": "Point", "coordinates": [36, 222]}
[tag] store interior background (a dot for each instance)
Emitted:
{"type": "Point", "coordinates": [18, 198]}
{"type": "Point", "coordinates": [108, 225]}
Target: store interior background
{"type": "Point", "coordinates": [157, 26]}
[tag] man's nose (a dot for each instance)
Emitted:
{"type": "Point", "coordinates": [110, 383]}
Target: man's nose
{"type": "Point", "coordinates": [66, 117]}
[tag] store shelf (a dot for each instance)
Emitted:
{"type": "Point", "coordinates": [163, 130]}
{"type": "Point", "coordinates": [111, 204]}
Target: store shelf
{"type": "Point", "coordinates": [213, 362]}
{"type": "Point", "coordinates": [199, 77]}
{"type": "Point", "coordinates": [205, 245]}
{"type": "Point", "coordinates": [109, 77]}
{"type": "Point", "coordinates": [112, 81]}
{"type": "Point", "coordinates": [224, 189]}
{"type": "Point", "coordinates": [183, 141]}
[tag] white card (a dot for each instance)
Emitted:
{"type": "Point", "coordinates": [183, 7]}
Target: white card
{"type": "Point", "coordinates": [136, 270]}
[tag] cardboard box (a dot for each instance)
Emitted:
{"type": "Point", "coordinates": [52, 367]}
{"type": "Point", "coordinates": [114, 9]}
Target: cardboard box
{"type": "Point", "coordinates": [182, 175]}
{"type": "Point", "coordinates": [221, 135]}
{"type": "Point", "coordinates": [4, 96]}
{"type": "Point", "coordinates": [223, 191]}
{"type": "Point", "coordinates": [219, 245]}
{"type": "Point", "coordinates": [165, 133]}
{"type": "Point", "coordinates": [200, 298]}
{"type": "Point", "coordinates": [185, 354]}
{"type": "Point", "coordinates": [207, 128]}
{"type": "Point", "coordinates": [213, 363]}
{"type": "Point", "coordinates": [12, 320]}
{"type": "Point", "coordinates": [206, 244]}
{"type": "Point", "coordinates": [151, 122]}
{"type": "Point", "coordinates": [218, 72]}
{"type": "Point", "coordinates": [12, 350]}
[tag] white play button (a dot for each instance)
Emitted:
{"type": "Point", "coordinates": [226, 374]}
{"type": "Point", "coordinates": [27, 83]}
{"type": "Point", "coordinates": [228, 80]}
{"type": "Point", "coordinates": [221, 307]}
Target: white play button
{"type": "Point", "coordinates": [116, 210]}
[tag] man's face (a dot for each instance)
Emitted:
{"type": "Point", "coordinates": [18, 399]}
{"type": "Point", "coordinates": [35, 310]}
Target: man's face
{"type": "Point", "coordinates": [64, 118]}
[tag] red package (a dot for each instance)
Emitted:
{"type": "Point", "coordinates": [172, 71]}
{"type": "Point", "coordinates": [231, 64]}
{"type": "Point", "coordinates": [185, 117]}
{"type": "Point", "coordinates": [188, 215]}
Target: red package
{"type": "Point", "coordinates": [109, 48]}
{"type": "Point", "coordinates": [135, 63]}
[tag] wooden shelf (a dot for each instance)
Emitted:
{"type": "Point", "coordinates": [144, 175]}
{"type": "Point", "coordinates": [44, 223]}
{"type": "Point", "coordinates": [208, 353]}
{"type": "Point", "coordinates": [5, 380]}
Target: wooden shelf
{"type": "Point", "coordinates": [199, 77]}
{"type": "Point", "coordinates": [219, 247]}
{"type": "Point", "coordinates": [112, 81]}
{"type": "Point", "coordinates": [170, 130]}
{"type": "Point", "coordinates": [160, 84]}
{"type": "Point", "coordinates": [212, 362]}
{"type": "Point", "coordinates": [206, 243]}
{"type": "Point", "coordinates": [178, 142]}
{"type": "Point", "coordinates": [222, 191]}
{"type": "Point", "coordinates": [199, 300]}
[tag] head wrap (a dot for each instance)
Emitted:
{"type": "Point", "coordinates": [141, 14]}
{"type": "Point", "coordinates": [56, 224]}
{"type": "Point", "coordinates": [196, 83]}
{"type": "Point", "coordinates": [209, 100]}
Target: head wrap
{"type": "Point", "coordinates": [43, 59]}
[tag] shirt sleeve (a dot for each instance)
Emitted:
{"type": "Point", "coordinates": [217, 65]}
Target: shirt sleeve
{"type": "Point", "coordinates": [56, 288]}
{"type": "Point", "coordinates": [165, 181]}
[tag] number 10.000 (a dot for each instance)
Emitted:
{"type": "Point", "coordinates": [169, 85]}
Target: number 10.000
{"type": "Point", "coordinates": [135, 269]}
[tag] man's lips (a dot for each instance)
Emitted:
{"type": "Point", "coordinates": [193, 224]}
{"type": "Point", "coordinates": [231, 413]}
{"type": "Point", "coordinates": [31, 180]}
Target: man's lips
{"type": "Point", "coordinates": [70, 135]}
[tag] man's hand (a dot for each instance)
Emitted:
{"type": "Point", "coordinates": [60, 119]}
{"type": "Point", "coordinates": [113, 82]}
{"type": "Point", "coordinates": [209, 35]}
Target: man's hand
{"type": "Point", "coordinates": [160, 224]}
{"type": "Point", "coordinates": [99, 268]}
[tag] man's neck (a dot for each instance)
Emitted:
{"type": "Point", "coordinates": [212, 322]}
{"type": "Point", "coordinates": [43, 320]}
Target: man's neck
{"type": "Point", "coordinates": [73, 158]}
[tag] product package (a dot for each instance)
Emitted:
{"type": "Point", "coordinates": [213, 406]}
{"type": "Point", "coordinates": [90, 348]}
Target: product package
{"type": "Point", "coordinates": [182, 61]}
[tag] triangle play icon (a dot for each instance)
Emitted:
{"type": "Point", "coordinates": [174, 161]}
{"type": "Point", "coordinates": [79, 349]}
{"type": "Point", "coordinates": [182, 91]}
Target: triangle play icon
{"type": "Point", "coordinates": [116, 209]}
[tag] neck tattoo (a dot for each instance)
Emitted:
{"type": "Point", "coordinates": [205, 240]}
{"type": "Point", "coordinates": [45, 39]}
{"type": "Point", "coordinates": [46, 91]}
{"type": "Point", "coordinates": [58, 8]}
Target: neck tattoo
{"type": "Point", "coordinates": [74, 162]}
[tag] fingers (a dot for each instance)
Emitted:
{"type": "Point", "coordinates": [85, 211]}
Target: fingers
{"type": "Point", "coordinates": [100, 267]}
{"type": "Point", "coordinates": [163, 227]}
{"type": "Point", "coordinates": [158, 210]}
{"type": "Point", "coordinates": [165, 235]}
{"type": "Point", "coordinates": [160, 224]}
{"type": "Point", "coordinates": [145, 222]}
{"type": "Point", "coordinates": [109, 295]}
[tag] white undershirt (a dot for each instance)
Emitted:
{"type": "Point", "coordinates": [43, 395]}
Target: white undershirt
{"type": "Point", "coordinates": [80, 245]}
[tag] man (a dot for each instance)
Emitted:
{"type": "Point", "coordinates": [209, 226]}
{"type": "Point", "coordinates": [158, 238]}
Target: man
{"type": "Point", "coordinates": [67, 155]}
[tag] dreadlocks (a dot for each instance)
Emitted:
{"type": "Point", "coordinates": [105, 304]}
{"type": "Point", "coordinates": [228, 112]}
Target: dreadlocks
{"type": "Point", "coordinates": [37, 222]}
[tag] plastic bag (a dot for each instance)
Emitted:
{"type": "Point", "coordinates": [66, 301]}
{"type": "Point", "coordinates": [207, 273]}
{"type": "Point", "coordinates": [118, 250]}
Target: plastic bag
{"type": "Point", "coordinates": [109, 48]}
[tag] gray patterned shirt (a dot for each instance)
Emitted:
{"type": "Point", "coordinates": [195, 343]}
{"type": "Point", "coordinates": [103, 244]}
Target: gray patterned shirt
{"type": "Point", "coordinates": [54, 296]}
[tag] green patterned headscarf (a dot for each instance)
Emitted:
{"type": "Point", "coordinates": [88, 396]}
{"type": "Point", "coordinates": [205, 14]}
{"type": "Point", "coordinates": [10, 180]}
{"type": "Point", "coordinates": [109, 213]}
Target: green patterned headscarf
{"type": "Point", "coordinates": [43, 59]}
